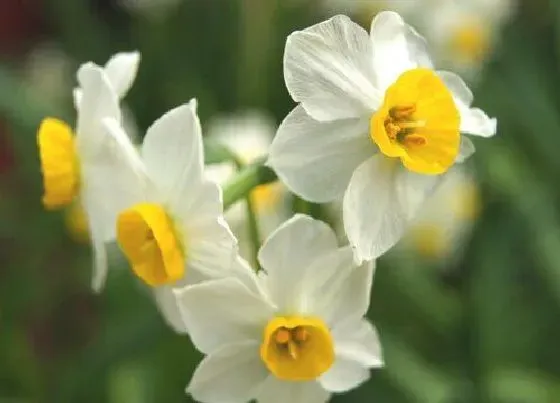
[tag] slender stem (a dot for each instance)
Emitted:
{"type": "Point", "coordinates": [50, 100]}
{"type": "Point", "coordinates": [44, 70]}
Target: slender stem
{"type": "Point", "coordinates": [254, 233]}
{"type": "Point", "coordinates": [246, 180]}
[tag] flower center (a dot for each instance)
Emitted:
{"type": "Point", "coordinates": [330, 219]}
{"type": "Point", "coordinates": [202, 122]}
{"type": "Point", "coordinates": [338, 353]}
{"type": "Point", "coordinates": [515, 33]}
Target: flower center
{"type": "Point", "coordinates": [146, 235]}
{"type": "Point", "coordinates": [296, 348]}
{"type": "Point", "coordinates": [470, 42]}
{"type": "Point", "coordinates": [418, 123]}
{"type": "Point", "coordinates": [59, 163]}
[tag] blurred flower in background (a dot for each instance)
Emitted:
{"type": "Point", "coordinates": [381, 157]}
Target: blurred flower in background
{"type": "Point", "coordinates": [439, 234]}
{"type": "Point", "coordinates": [462, 34]}
{"type": "Point", "coordinates": [248, 134]}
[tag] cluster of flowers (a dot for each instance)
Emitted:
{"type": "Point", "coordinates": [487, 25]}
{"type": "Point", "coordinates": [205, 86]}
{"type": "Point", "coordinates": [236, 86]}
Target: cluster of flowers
{"type": "Point", "coordinates": [375, 126]}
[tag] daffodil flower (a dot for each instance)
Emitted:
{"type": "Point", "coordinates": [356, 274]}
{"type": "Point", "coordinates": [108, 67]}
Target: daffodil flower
{"type": "Point", "coordinates": [173, 232]}
{"type": "Point", "coordinates": [375, 125]}
{"type": "Point", "coordinates": [297, 335]}
{"type": "Point", "coordinates": [120, 70]}
{"type": "Point", "coordinates": [86, 167]}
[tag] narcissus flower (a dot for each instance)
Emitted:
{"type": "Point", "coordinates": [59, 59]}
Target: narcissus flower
{"type": "Point", "coordinates": [248, 135]}
{"type": "Point", "coordinates": [376, 125]}
{"type": "Point", "coordinates": [121, 71]}
{"type": "Point", "coordinates": [296, 336]}
{"type": "Point", "coordinates": [173, 232]}
{"type": "Point", "coordinates": [87, 166]}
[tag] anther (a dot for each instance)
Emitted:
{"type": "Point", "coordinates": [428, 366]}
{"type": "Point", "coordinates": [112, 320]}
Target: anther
{"type": "Point", "coordinates": [282, 336]}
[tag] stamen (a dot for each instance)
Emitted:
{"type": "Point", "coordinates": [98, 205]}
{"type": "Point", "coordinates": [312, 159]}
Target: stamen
{"type": "Point", "coordinates": [301, 334]}
{"type": "Point", "coordinates": [293, 350]}
{"type": "Point", "coordinates": [282, 336]}
{"type": "Point", "coordinates": [297, 348]}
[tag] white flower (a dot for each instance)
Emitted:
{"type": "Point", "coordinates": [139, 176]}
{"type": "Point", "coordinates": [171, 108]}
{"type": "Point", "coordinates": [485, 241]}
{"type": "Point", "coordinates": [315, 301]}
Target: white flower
{"type": "Point", "coordinates": [440, 231]}
{"type": "Point", "coordinates": [248, 135]}
{"type": "Point", "coordinates": [463, 34]}
{"type": "Point", "coordinates": [375, 125]}
{"type": "Point", "coordinates": [87, 167]}
{"type": "Point", "coordinates": [173, 231]}
{"type": "Point", "coordinates": [297, 336]}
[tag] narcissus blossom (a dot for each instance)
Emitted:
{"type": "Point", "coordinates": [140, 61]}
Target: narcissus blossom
{"type": "Point", "coordinates": [296, 335]}
{"type": "Point", "coordinates": [376, 125]}
{"type": "Point", "coordinates": [173, 231]}
{"type": "Point", "coordinates": [86, 167]}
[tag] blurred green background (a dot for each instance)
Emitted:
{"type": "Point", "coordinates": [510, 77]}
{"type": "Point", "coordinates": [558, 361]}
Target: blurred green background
{"type": "Point", "coordinates": [484, 328]}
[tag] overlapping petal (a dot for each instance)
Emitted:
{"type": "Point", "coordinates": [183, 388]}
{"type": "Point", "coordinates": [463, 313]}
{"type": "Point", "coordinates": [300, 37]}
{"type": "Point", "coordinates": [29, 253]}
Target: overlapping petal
{"type": "Point", "coordinates": [172, 152]}
{"type": "Point", "coordinates": [396, 48]}
{"type": "Point", "coordinates": [121, 71]}
{"type": "Point", "coordinates": [230, 374]}
{"type": "Point", "coordinates": [289, 253]}
{"type": "Point", "coordinates": [275, 390]}
{"type": "Point", "coordinates": [211, 319]}
{"type": "Point", "coordinates": [98, 101]}
{"type": "Point", "coordinates": [316, 159]}
{"type": "Point", "coordinates": [380, 200]}
{"type": "Point", "coordinates": [328, 68]}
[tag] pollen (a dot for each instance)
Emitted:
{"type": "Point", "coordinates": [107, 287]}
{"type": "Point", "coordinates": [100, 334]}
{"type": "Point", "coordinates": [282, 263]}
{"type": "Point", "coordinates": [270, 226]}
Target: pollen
{"type": "Point", "coordinates": [59, 163]}
{"type": "Point", "coordinates": [418, 123]}
{"type": "Point", "coordinates": [297, 348]}
{"type": "Point", "coordinates": [147, 237]}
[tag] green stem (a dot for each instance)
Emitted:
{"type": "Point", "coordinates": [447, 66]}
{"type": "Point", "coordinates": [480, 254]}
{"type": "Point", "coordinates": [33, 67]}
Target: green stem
{"type": "Point", "coordinates": [246, 180]}
{"type": "Point", "coordinates": [254, 233]}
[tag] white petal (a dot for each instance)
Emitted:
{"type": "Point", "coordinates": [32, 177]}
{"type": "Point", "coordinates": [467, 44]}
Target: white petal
{"type": "Point", "coordinates": [211, 248]}
{"type": "Point", "coordinates": [232, 374]}
{"type": "Point", "coordinates": [347, 293]}
{"type": "Point", "coordinates": [98, 101]}
{"type": "Point", "coordinates": [316, 159]}
{"type": "Point", "coordinates": [466, 150]}
{"type": "Point", "coordinates": [289, 252]}
{"type": "Point", "coordinates": [167, 305]}
{"type": "Point", "coordinates": [475, 121]}
{"type": "Point", "coordinates": [121, 70]}
{"type": "Point", "coordinates": [172, 152]}
{"type": "Point", "coordinates": [458, 87]}
{"type": "Point", "coordinates": [275, 390]}
{"type": "Point", "coordinates": [344, 375]}
{"type": "Point", "coordinates": [113, 179]}
{"type": "Point", "coordinates": [380, 201]}
{"type": "Point", "coordinates": [100, 263]}
{"type": "Point", "coordinates": [357, 340]}
{"type": "Point", "coordinates": [327, 67]}
{"type": "Point", "coordinates": [200, 203]}
{"type": "Point", "coordinates": [77, 97]}
{"type": "Point", "coordinates": [219, 312]}
{"type": "Point", "coordinates": [397, 47]}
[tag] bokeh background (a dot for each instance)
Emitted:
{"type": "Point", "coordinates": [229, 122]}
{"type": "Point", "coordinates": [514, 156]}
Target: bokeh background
{"type": "Point", "coordinates": [483, 326]}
